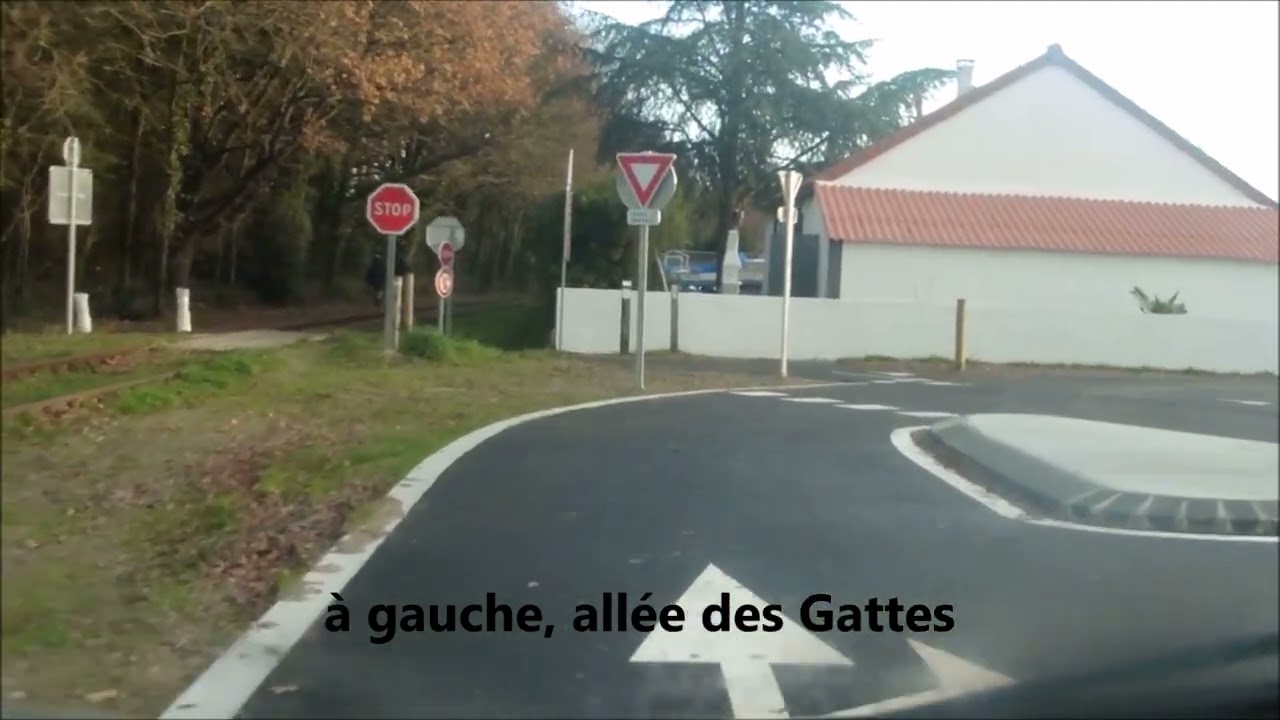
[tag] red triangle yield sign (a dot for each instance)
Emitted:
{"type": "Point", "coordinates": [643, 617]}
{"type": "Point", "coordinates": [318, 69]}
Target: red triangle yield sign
{"type": "Point", "coordinates": [644, 173]}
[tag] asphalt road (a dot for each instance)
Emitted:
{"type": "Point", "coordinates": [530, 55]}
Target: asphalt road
{"type": "Point", "coordinates": [789, 499]}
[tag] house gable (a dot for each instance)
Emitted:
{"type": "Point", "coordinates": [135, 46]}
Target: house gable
{"type": "Point", "coordinates": [1047, 128]}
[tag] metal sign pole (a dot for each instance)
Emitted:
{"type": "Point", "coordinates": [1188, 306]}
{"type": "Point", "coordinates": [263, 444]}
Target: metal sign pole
{"type": "Point", "coordinates": [642, 285]}
{"type": "Point", "coordinates": [389, 302]}
{"type": "Point", "coordinates": [448, 302]}
{"type": "Point", "coordinates": [786, 289]}
{"type": "Point", "coordinates": [790, 186]}
{"type": "Point", "coordinates": [564, 251]}
{"type": "Point", "coordinates": [71, 154]}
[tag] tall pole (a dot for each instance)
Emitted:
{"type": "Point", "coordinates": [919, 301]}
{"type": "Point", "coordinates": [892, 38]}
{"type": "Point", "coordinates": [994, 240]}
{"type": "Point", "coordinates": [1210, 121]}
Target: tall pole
{"type": "Point", "coordinates": [790, 186]}
{"type": "Point", "coordinates": [388, 301]}
{"type": "Point", "coordinates": [564, 253]}
{"type": "Point", "coordinates": [71, 154]}
{"type": "Point", "coordinates": [642, 284]}
{"type": "Point", "coordinates": [789, 233]}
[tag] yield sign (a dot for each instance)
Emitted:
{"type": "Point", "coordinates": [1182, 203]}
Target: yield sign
{"type": "Point", "coordinates": [644, 172]}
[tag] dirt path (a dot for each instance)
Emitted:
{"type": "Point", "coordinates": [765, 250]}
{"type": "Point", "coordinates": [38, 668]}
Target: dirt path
{"type": "Point", "coordinates": [246, 340]}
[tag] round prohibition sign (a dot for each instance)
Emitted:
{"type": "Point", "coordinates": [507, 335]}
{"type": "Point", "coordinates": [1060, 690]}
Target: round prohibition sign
{"type": "Point", "coordinates": [444, 282]}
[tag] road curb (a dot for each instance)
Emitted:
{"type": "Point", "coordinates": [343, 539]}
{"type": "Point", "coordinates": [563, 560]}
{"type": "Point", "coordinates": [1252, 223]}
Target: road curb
{"type": "Point", "coordinates": [1057, 493]}
{"type": "Point", "coordinates": [224, 686]}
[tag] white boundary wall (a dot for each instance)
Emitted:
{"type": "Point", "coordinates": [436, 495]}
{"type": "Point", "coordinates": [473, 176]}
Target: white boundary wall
{"type": "Point", "coordinates": [749, 326]}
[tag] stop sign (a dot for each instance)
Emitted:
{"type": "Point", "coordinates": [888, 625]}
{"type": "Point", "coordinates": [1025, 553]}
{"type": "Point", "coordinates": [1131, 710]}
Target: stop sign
{"type": "Point", "coordinates": [392, 209]}
{"type": "Point", "coordinates": [446, 254]}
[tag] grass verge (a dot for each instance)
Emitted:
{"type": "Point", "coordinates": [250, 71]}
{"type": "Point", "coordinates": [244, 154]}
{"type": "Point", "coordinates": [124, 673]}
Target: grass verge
{"type": "Point", "coordinates": [46, 385]}
{"type": "Point", "coordinates": [140, 535]}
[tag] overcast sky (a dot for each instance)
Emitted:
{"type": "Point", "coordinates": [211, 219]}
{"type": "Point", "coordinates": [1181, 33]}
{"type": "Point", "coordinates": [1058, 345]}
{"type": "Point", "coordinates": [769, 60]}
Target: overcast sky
{"type": "Point", "coordinates": [1209, 70]}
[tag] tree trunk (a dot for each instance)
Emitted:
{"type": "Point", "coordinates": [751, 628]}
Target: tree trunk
{"type": "Point", "coordinates": [124, 281]}
{"type": "Point", "coordinates": [728, 147]}
{"type": "Point", "coordinates": [167, 223]}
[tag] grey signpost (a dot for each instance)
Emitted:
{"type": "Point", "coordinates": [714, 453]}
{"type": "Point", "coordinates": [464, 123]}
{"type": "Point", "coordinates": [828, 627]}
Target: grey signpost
{"type": "Point", "coordinates": [646, 182]}
{"type": "Point", "coordinates": [70, 204]}
{"type": "Point", "coordinates": [445, 237]}
{"type": "Point", "coordinates": [391, 209]}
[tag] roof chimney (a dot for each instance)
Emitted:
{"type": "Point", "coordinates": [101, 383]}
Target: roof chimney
{"type": "Point", "coordinates": [964, 76]}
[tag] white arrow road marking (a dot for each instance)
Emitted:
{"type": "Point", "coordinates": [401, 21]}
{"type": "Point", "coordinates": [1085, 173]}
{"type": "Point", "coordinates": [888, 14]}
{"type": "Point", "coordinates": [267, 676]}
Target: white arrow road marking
{"type": "Point", "coordinates": [744, 657]}
{"type": "Point", "coordinates": [956, 677]}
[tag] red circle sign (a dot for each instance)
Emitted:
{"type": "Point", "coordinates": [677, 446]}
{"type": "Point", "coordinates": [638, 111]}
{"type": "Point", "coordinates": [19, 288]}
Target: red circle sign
{"type": "Point", "coordinates": [446, 254]}
{"type": "Point", "coordinates": [444, 282]}
{"type": "Point", "coordinates": [392, 209]}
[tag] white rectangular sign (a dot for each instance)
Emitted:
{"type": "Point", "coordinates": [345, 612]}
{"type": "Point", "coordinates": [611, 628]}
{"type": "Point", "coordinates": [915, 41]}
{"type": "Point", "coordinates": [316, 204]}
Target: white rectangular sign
{"type": "Point", "coordinates": [644, 216]}
{"type": "Point", "coordinates": [60, 195]}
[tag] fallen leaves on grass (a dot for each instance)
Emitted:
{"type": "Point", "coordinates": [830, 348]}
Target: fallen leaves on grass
{"type": "Point", "coordinates": [227, 525]}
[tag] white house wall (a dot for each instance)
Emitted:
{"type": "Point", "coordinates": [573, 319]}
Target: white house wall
{"type": "Point", "coordinates": [1029, 279]}
{"type": "Point", "coordinates": [1047, 134]}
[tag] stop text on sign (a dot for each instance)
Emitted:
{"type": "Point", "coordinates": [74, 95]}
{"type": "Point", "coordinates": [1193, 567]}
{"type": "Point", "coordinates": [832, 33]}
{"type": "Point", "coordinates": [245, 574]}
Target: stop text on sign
{"type": "Point", "coordinates": [393, 209]}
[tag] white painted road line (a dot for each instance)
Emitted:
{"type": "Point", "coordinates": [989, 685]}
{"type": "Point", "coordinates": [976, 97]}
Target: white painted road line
{"type": "Point", "coordinates": [902, 441]}
{"type": "Point", "coordinates": [1254, 403]}
{"type": "Point", "coordinates": [896, 374]}
{"type": "Point", "coordinates": [956, 678]}
{"type": "Point", "coordinates": [811, 400]}
{"type": "Point", "coordinates": [868, 407]}
{"type": "Point", "coordinates": [759, 393]}
{"type": "Point", "coordinates": [945, 383]}
{"type": "Point", "coordinates": [887, 382]}
{"type": "Point", "coordinates": [925, 414]}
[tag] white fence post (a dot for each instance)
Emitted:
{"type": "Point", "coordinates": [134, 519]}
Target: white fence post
{"type": "Point", "coordinates": [84, 322]}
{"type": "Point", "coordinates": [183, 317]}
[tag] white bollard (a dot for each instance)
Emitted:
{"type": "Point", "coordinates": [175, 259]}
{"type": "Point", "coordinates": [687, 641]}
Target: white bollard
{"type": "Point", "coordinates": [184, 310]}
{"type": "Point", "coordinates": [84, 322]}
{"type": "Point", "coordinates": [731, 269]}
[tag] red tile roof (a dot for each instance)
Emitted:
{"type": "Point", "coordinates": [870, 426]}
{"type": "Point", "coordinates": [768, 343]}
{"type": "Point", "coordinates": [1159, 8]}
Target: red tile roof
{"type": "Point", "coordinates": [1056, 57]}
{"type": "Point", "coordinates": [1009, 222]}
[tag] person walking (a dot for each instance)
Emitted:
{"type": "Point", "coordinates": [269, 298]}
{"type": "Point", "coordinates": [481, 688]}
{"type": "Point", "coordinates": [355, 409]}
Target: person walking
{"type": "Point", "coordinates": [375, 276]}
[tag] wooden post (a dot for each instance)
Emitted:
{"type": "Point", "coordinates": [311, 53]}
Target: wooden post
{"type": "Point", "coordinates": [407, 306]}
{"type": "Point", "coordinates": [960, 335]}
{"type": "Point", "coordinates": [675, 318]}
